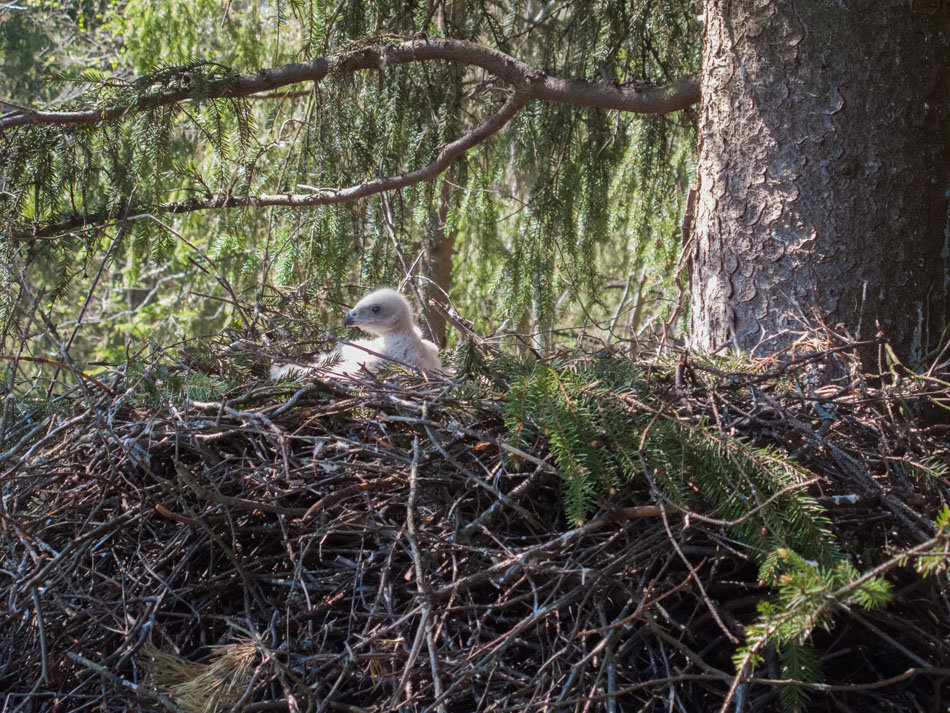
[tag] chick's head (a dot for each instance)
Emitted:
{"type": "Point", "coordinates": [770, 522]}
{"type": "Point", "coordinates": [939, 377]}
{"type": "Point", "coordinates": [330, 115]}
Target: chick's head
{"type": "Point", "coordinates": [382, 312]}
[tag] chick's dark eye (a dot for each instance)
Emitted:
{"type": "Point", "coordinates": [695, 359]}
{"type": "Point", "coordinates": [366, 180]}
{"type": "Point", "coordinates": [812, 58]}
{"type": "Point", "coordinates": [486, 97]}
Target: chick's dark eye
{"type": "Point", "coordinates": [375, 309]}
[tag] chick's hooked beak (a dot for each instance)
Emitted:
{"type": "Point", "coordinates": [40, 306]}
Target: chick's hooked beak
{"type": "Point", "coordinates": [350, 319]}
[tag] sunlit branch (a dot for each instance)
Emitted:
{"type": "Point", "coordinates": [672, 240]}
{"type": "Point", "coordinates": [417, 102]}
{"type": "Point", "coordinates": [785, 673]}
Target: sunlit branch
{"type": "Point", "coordinates": [324, 196]}
{"type": "Point", "coordinates": [532, 82]}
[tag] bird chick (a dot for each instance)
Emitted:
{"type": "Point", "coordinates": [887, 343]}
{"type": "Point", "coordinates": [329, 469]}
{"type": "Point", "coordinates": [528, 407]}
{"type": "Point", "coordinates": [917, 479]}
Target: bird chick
{"type": "Point", "coordinates": [386, 314]}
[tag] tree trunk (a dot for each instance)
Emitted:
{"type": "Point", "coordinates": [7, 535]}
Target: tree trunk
{"type": "Point", "coordinates": [439, 245]}
{"type": "Point", "coordinates": [824, 173]}
{"type": "Point", "coordinates": [439, 248]}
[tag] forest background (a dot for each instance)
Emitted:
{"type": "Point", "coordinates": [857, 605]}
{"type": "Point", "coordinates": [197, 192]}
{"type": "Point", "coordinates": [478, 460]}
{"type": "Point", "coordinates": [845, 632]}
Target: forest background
{"type": "Point", "coordinates": [176, 208]}
{"type": "Point", "coordinates": [567, 222]}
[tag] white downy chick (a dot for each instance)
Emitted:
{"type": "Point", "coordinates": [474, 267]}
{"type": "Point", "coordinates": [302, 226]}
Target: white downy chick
{"type": "Point", "coordinates": [385, 313]}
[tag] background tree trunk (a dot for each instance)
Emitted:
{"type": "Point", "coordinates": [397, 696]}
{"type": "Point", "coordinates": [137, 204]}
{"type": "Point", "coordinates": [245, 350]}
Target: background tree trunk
{"type": "Point", "coordinates": [439, 245]}
{"type": "Point", "coordinates": [439, 248]}
{"type": "Point", "coordinates": [824, 173]}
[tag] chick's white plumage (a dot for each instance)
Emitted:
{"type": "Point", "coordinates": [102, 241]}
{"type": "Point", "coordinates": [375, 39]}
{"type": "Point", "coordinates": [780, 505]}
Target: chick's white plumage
{"type": "Point", "coordinates": [387, 314]}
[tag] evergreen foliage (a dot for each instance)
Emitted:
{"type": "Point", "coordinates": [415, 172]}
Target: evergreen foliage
{"type": "Point", "coordinates": [563, 201]}
{"type": "Point", "coordinates": [600, 438]}
{"type": "Point", "coordinates": [807, 596]}
{"type": "Point", "coordinates": [596, 417]}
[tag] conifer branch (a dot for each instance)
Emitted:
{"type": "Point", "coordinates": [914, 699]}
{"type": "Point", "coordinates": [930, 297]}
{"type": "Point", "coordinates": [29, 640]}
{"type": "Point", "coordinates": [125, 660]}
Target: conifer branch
{"type": "Point", "coordinates": [531, 81]}
{"type": "Point", "coordinates": [323, 196]}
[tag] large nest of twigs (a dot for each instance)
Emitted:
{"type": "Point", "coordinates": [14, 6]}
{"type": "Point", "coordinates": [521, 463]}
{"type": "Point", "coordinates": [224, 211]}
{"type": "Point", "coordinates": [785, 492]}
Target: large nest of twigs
{"type": "Point", "coordinates": [374, 545]}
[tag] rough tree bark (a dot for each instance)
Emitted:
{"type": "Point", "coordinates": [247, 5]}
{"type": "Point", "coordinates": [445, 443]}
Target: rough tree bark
{"type": "Point", "coordinates": [824, 172]}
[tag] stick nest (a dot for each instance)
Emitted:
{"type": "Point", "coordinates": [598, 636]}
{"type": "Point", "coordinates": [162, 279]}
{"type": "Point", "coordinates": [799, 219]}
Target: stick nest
{"type": "Point", "coordinates": [377, 545]}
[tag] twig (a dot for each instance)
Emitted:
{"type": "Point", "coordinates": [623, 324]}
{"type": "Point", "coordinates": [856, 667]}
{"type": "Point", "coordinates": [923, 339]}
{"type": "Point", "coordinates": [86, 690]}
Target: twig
{"type": "Point", "coordinates": [61, 365]}
{"type": "Point", "coordinates": [119, 681]}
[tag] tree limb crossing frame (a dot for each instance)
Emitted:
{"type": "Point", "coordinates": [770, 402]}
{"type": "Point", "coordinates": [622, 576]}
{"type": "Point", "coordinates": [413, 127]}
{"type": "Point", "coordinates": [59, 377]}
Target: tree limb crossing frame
{"type": "Point", "coordinates": [529, 84]}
